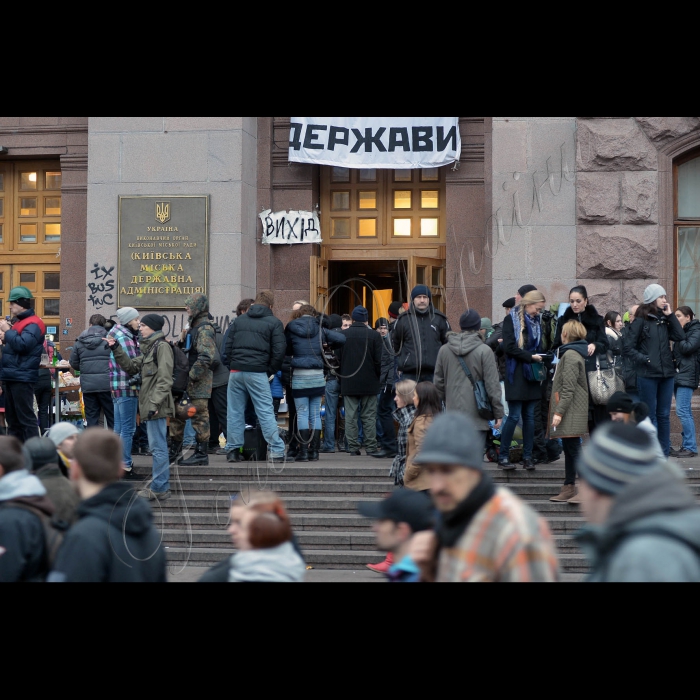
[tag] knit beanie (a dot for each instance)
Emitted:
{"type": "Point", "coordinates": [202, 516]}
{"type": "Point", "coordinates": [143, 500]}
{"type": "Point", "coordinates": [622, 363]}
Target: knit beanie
{"type": "Point", "coordinates": [486, 324]}
{"type": "Point", "coordinates": [360, 314]}
{"type": "Point", "coordinates": [395, 309]}
{"type": "Point", "coordinates": [524, 291]}
{"type": "Point", "coordinates": [470, 321]}
{"type": "Point", "coordinates": [154, 322]}
{"type": "Point", "coordinates": [653, 292]}
{"type": "Point", "coordinates": [127, 315]}
{"type": "Point", "coordinates": [421, 291]}
{"type": "Point", "coordinates": [61, 432]}
{"type": "Point", "coordinates": [618, 456]}
{"type": "Point", "coordinates": [621, 403]}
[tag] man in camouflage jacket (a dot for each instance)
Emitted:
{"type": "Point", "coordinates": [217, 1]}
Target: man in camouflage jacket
{"type": "Point", "coordinates": [200, 345]}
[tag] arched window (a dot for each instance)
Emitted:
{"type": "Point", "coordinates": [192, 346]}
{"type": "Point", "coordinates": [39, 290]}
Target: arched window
{"type": "Point", "coordinates": [687, 175]}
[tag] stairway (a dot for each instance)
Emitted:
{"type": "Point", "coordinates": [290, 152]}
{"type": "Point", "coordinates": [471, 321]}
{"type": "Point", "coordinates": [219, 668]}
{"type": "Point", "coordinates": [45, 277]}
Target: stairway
{"type": "Point", "coordinates": [322, 500]}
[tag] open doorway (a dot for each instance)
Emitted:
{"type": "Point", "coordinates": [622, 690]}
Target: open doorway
{"type": "Point", "coordinates": [374, 284]}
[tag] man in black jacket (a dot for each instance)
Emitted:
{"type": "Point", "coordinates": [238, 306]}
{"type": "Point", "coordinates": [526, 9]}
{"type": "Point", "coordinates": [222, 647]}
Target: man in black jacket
{"type": "Point", "coordinates": [23, 506]}
{"type": "Point", "coordinates": [386, 406]}
{"type": "Point", "coordinates": [419, 336]}
{"type": "Point", "coordinates": [255, 349]}
{"type": "Point", "coordinates": [360, 371]}
{"type": "Point", "coordinates": [91, 358]}
{"type": "Point", "coordinates": [114, 540]}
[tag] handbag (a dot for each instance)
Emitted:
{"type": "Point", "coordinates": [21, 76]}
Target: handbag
{"type": "Point", "coordinates": [605, 383]}
{"type": "Point", "coordinates": [539, 372]}
{"type": "Point", "coordinates": [483, 403]}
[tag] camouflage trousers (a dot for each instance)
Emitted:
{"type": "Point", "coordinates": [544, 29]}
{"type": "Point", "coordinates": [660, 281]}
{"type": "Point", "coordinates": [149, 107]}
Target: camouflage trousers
{"type": "Point", "coordinates": [200, 423]}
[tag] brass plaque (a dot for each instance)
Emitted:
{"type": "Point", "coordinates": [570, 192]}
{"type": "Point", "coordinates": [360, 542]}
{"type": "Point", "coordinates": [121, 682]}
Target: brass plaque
{"type": "Point", "coordinates": [163, 250]}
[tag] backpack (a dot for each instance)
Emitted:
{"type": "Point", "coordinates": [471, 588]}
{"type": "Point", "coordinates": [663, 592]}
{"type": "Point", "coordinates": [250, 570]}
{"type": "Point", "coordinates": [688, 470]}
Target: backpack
{"type": "Point", "coordinates": [54, 531]}
{"type": "Point", "coordinates": [181, 367]}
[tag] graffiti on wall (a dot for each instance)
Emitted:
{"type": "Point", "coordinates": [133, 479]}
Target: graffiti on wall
{"type": "Point", "coordinates": [101, 285]}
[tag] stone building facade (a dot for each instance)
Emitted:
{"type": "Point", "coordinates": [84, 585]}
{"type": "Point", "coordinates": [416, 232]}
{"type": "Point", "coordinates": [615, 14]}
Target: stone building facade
{"type": "Point", "coordinates": [551, 200]}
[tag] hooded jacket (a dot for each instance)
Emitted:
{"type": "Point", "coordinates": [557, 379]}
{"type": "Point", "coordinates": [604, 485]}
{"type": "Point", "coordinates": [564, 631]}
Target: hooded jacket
{"type": "Point", "coordinates": [418, 338]}
{"type": "Point", "coordinates": [156, 394]}
{"type": "Point", "coordinates": [256, 342]}
{"type": "Point", "coordinates": [279, 565]}
{"type": "Point", "coordinates": [570, 392]}
{"type": "Point", "coordinates": [22, 537]}
{"type": "Point", "coordinates": [594, 324]}
{"type": "Point", "coordinates": [651, 536]}
{"type": "Point", "coordinates": [91, 357]}
{"type": "Point", "coordinates": [647, 345]}
{"type": "Point", "coordinates": [60, 492]}
{"type": "Point", "coordinates": [22, 351]}
{"type": "Point", "coordinates": [202, 353]}
{"type": "Point", "coordinates": [453, 385]}
{"type": "Point", "coordinates": [114, 541]}
{"type": "Point", "coordinates": [361, 361]}
{"type": "Point", "coordinates": [686, 353]}
{"type": "Point", "coordinates": [305, 340]}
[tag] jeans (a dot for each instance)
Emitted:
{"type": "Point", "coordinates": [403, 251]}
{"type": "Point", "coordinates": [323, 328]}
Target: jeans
{"type": "Point", "coordinates": [96, 403]}
{"type": "Point", "coordinates": [309, 414]}
{"type": "Point", "coordinates": [241, 387]}
{"type": "Point", "coordinates": [125, 410]}
{"type": "Point", "coordinates": [158, 442]}
{"type": "Point", "coordinates": [658, 395]}
{"type": "Point", "coordinates": [684, 398]}
{"type": "Point", "coordinates": [365, 406]}
{"type": "Point", "coordinates": [19, 411]}
{"type": "Point", "coordinates": [385, 420]}
{"type": "Point", "coordinates": [190, 436]}
{"type": "Point", "coordinates": [518, 410]}
{"type": "Point", "coordinates": [332, 398]}
{"type": "Point", "coordinates": [43, 401]}
{"type": "Point", "coordinates": [572, 451]}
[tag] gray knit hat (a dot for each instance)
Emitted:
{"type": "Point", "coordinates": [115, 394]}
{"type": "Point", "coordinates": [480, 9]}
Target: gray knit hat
{"type": "Point", "coordinates": [61, 432]}
{"type": "Point", "coordinates": [127, 315]}
{"type": "Point", "coordinates": [653, 292]}
{"type": "Point", "coordinates": [618, 456]}
{"type": "Point", "coordinates": [453, 440]}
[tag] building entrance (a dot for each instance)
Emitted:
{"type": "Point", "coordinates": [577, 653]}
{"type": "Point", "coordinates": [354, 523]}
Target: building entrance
{"type": "Point", "coordinates": [30, 234]}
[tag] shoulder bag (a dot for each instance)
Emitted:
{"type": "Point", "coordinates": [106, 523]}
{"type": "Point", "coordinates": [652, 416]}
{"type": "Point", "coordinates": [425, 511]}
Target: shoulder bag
{"type": "Point", "coordinates": [604, 383]}
{"type": "Point", "coordinates": [483, 403]}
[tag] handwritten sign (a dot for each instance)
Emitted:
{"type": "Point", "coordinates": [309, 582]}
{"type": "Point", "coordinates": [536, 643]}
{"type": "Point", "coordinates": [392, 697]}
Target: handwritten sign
{"type": "Point", "coordinates": [290, 227]}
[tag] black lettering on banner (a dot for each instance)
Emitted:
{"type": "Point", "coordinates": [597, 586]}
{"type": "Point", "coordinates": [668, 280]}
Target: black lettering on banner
{"type": "Point", "coordinates": [311, 229]}
{"type": "Point", "coordinates": [281, 223]}
{"type": "Point", "coordinates": [423, 139]}
{"type": "Point", "coordinates": [334, 137]}
{"type": "Point", "coordinates": [443, 141]}
{"type": "Point", "coordinates": [295, 136]}
{"type": "Point", "coordinates": [398, 138]}
{"type": "Point", "coordinates": [312, 137]}
{"type": "Point", "coordinates": [368, 140]}
{"type": "Point", "coordinates": [292, 226]}
{"type": "Point", "coordinates": [269, 226]}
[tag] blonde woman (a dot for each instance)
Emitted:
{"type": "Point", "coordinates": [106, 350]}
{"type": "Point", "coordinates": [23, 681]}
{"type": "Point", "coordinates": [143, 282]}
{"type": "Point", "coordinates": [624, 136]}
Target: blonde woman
{"type": "Point", "coordinates": [569, 407]}
{"type": "Point", "coordinates": [404, 415]}
{"type": "Point", "coordinates": [522, 345]}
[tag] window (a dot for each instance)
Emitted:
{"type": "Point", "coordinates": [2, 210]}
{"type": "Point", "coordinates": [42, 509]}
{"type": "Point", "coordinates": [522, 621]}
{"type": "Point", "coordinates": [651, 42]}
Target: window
{"type": "Point", "coordinates": [688, 231]}
{"type": "Point", "coordinates": [376, 207]}
{"type": "Point", "coordinates": [52, 308]}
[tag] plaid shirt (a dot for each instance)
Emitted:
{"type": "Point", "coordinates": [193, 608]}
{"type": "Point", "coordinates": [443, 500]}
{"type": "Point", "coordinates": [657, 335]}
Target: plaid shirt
{"type": "Point", "coordinates": [119, 379]}
{"type": "Point", "coordinates": [404, 417]}
{"type": "Point", "coordinates": [507, 542]}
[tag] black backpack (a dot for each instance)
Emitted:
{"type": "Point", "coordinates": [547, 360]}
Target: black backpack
{"type": "Point", "coordinates": [181, 367]}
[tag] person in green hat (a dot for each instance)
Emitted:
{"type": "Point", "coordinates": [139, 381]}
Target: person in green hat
{"type": "Point", "coordinates": [23, 342]}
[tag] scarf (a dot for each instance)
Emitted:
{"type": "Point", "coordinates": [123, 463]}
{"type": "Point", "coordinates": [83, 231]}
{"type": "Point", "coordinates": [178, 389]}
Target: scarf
{"type": "Point", "coordinates": [456, 523]}
{"type": "Point", "coordinates": [534, 338]}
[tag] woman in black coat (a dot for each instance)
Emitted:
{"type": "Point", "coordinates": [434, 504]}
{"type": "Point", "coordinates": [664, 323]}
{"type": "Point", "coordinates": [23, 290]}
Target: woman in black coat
{"type": "Point", "coordinates": [686, 353]}
{"type": "Point", "coordinates": [522, 344]}
{"type": "Point", "coordinates": [585, 313]}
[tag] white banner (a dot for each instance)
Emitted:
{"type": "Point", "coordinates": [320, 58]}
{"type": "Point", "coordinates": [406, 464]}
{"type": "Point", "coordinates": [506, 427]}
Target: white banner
{"type": "Point", "coordinates": [290, 227]}
{"type": "Point", "coordinates": [399, 143]}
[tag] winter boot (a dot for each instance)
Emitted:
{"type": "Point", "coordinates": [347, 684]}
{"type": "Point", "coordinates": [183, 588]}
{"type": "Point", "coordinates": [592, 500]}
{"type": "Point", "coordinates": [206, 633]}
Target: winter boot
{"type": "Point", "coordinates": [304, 444]}
{"type": "Point", "coordinates": [293, 451]}
{"type": "Point", "coordinates": [567, 493]}
{"type": "Point", "coordinates": [175, 451]}
{"type": "Point", "coordinates": [315, 447]}
{"type": "Point", "coordinates": [200, 458]}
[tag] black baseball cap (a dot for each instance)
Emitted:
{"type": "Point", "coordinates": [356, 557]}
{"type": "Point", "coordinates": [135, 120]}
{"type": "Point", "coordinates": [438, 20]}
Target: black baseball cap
{"type": "Point", "coordinates": [405, 506]}
{"type": "Point", "coordinates": [510, 304]}
{"type": "Point", "coordinates": [524, 291]}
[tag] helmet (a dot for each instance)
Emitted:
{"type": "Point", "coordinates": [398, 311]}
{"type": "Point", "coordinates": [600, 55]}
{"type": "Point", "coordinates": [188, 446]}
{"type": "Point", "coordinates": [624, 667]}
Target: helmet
{"type": "Point", "coordinates": [20, 293]}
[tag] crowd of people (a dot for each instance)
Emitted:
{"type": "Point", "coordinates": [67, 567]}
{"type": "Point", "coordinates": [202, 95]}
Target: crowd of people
{"type": "Point", "coordinates": [433, 401]}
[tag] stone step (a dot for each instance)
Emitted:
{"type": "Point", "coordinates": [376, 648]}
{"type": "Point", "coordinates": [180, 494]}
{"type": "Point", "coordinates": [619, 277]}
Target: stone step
{"type": "Point", "coordinates": [327, 488]}
{"type": "Point", "coordinates": [321, 559]}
